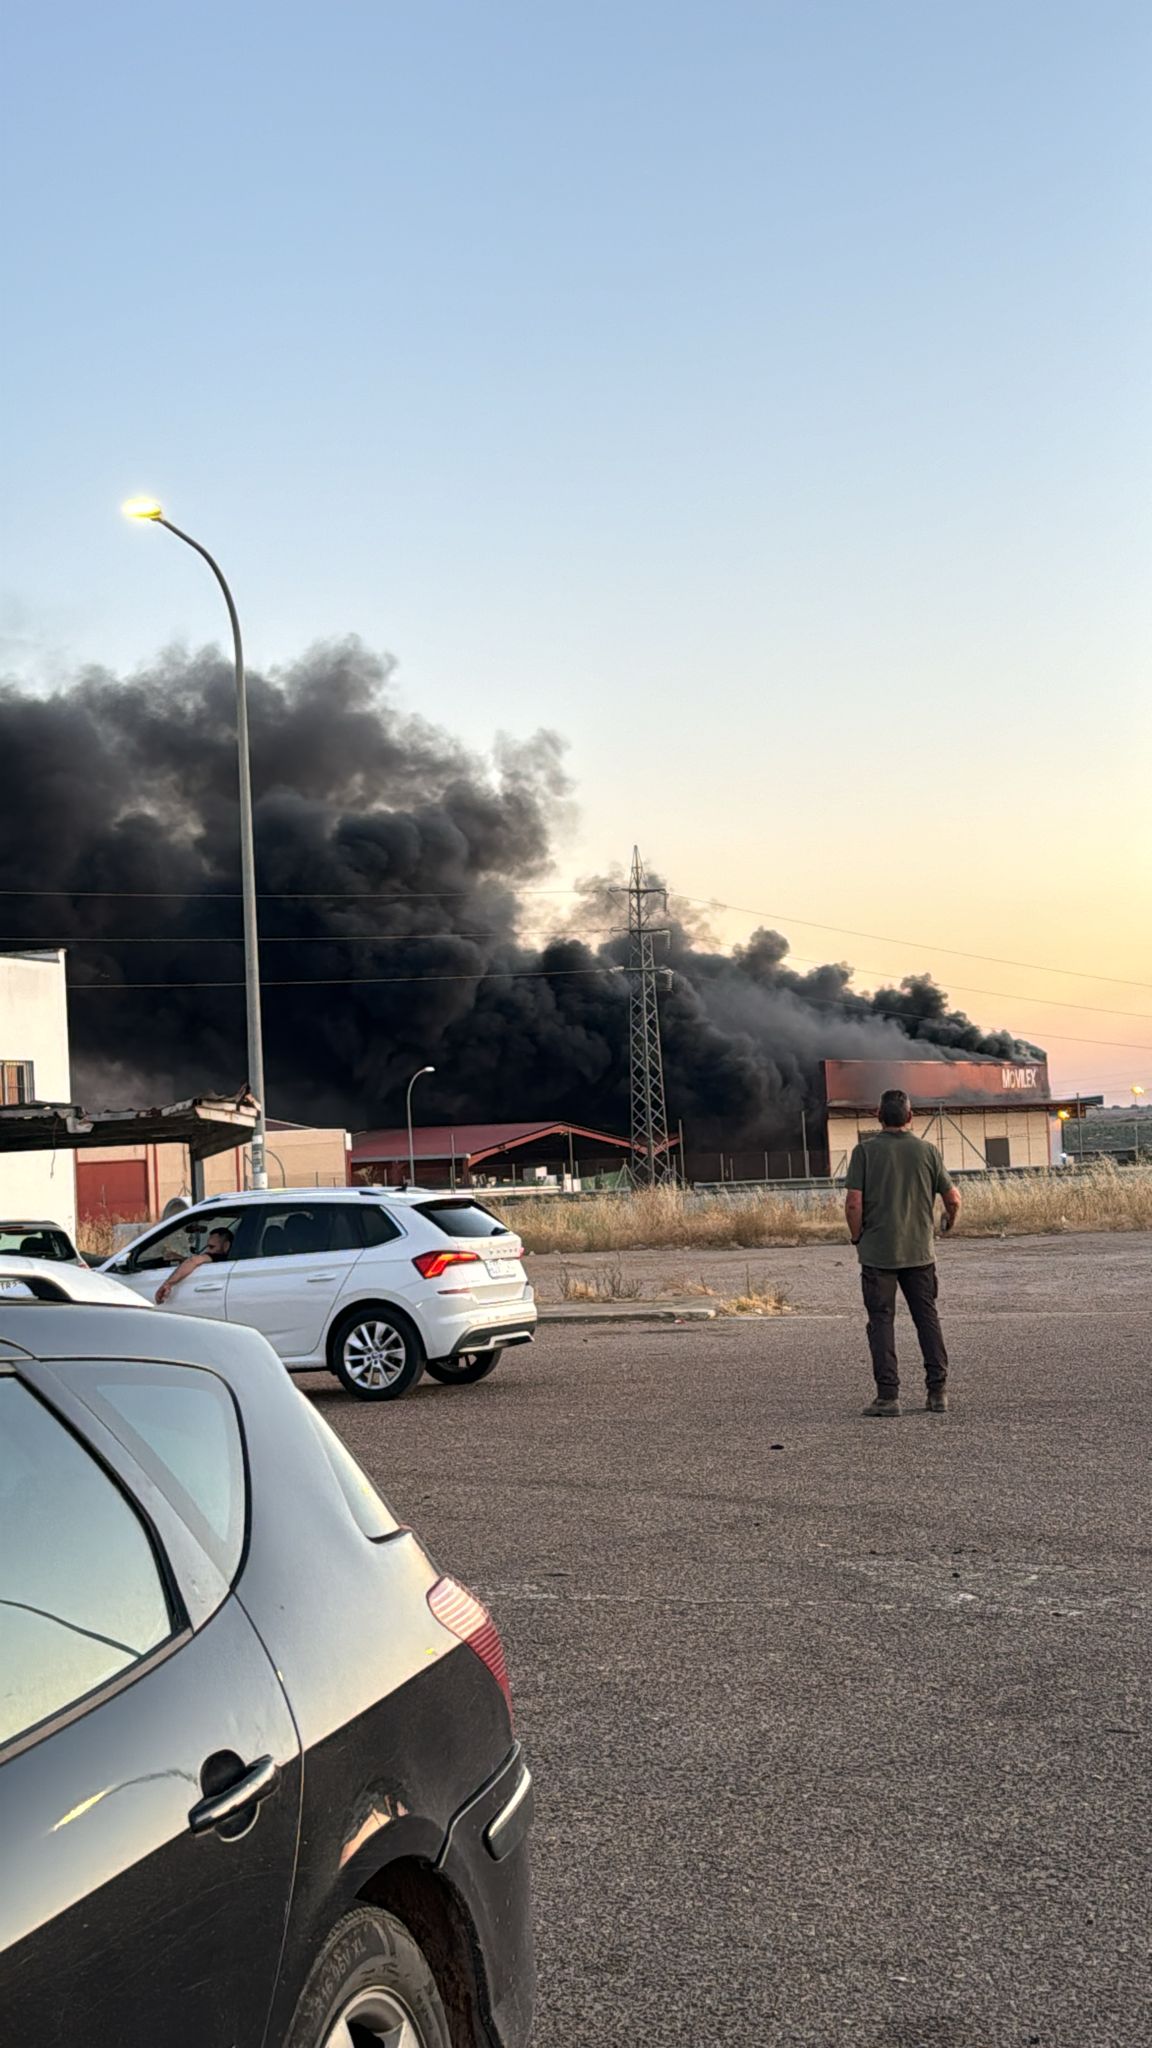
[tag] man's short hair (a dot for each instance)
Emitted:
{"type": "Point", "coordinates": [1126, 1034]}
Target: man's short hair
{"type": "Point", "coordinates": [895, 1109]}
{"type": "Point", "coordinates": [220, 1230]}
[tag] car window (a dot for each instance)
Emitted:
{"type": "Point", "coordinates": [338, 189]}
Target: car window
{"type": "Point", "coordinates": [81, 1593]}
{"type": "Point", "coordinates": [377, 1225]}
{"type": "Point", "coordinates": [35, 1241]}
{"type": "Point", "coordinates": [462, 1219]}
{"type": "Point", "coordinates": [293, 1229]}
{"type": "Point", "coordinates": [180, 1424]}
{"type": "Point", "coordinates": [182, 1238]}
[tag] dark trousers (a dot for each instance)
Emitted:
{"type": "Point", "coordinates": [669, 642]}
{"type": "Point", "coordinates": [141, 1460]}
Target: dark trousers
{"type": "Point", "coordinates": [919, 1286]}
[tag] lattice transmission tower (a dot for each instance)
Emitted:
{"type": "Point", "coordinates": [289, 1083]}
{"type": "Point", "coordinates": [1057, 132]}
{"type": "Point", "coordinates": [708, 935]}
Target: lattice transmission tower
{"type": "Point", "coordinates": [651, 1159]}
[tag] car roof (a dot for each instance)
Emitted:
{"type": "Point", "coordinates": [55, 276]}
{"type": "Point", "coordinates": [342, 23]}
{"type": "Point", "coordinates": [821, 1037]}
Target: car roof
{"type": "Point", "coordinates": [117, 1329]}
{"type": "Point", "coordinates": [344, 1194]}
{"type": "Point", "coordinates": [59, 1282]}
{"type": "Point", "coordinates": [23, 1223]}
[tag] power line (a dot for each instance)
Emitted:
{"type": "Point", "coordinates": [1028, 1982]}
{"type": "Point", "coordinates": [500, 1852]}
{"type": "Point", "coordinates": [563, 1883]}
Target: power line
{"type": "Point", "coordinates": [542, 974]}
{"type": "Point", "coordinates": [294, 895]}
{"type": "Point", "coordinates": [926, 945]}
{"type": "Point", "coordinates": [355, 980]}
{"type": "Point", "coordinates": [403, 896]}
{"type": "Point", "coordinates": [315, 938]}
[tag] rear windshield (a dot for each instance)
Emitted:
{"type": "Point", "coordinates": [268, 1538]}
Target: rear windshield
{"type": "Point", "coordinates": [462, 1219]}
{"type": "Point", "coordinates": [36, 1241]}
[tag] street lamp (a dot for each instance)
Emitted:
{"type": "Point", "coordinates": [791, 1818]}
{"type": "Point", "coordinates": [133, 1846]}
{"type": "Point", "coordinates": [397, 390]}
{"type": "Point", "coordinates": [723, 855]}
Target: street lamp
{"type": "Point", "coordinates": [149, 511]}
{"type": "Point", "coordinates": [411, 1140]}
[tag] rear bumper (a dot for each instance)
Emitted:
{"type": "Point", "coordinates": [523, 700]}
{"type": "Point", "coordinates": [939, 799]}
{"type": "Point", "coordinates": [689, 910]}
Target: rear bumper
{"type": "Point", "coordinates": [485, 1860]}
{"type": "Point", "coordinates": [495, 1336]}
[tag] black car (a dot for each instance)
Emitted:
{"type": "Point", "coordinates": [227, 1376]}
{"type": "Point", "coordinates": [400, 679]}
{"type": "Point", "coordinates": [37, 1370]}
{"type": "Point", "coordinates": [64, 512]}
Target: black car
{"type": "Point", "coordinates": [258, 1781]}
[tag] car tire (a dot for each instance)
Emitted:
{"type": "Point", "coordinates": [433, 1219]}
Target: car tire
{"type": "Point", "coordinates": [370, 1978]}
{"type": "Point", "coordinates": [465, 1369]}
{"type": "Point", "coordinates": [375, 1352]}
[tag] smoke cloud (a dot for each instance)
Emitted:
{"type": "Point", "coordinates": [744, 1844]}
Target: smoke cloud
{"type": "Point", "coordinates": [405, 879]}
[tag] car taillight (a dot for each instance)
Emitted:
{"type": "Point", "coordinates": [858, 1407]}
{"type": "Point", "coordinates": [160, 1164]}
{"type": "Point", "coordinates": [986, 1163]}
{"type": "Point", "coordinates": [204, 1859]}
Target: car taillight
{"type": "Point", "coordinates": [432, 1264]}
{"type": "Point", "coordinates": [466, 1617]}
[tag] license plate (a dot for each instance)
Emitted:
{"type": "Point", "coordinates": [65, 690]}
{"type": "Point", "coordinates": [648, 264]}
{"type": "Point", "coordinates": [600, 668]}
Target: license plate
{"type": "Point", "coordinates": [500, 1269]}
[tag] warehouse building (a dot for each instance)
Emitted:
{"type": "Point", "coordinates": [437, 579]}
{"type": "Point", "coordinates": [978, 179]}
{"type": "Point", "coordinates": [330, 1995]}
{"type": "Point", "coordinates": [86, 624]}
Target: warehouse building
{"type": "Point", "coordinates": [545, 1155]}
{"type": "Point", "coordinates": [982, 1114]}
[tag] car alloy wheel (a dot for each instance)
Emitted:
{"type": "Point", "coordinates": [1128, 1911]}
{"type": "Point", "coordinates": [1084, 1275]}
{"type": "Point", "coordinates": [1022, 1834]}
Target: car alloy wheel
{"type": "Point", "coordinates": [375, 1354]}
{"type": "Point", "coordinates": [375, 2019]}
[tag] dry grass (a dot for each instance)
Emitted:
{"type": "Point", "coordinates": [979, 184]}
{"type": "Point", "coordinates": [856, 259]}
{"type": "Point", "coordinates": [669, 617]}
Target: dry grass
{"type": "Point", "coordinates": [607, 1284]}
{"type": "Point", "coordinates": [755, 1301]}
{"type": "Point", "coordinates": [97, 1237]}
{"type": "Point", "coordinates": [1104, 1198]}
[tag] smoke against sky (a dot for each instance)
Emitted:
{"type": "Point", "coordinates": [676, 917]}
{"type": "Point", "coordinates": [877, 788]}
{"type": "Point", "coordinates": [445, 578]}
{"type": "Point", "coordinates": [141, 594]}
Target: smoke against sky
{"type": "Point", "coordinates": [407, 880]}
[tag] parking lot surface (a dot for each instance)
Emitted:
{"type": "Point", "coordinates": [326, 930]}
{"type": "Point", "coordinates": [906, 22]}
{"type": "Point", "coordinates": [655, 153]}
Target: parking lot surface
{"type": "Point", "coordinates": [840, 1728]}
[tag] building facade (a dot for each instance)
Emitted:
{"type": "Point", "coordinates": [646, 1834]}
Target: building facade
{"type": "Point", "coordinates": [982, 1114]}
{"type": "Point", "coordinates": [35, 1066]}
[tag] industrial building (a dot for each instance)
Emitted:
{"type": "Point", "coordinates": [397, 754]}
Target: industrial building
{"type": "Point", "coordinates": [980, 1113]}
{"type": "Point", "coordinates": [541, 1154]}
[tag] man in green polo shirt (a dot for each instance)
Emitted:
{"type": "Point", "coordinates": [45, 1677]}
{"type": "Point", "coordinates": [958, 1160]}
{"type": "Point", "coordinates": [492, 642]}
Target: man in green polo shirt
{"type": "Point", "coordinates": [893, 1181]}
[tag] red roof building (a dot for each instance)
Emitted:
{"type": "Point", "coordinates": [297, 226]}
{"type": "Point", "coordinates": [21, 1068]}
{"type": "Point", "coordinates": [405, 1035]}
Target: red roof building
{"type": "Point", "coordinates": [467, 1154]}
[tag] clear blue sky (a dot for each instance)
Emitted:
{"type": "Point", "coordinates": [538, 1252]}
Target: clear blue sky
{"type": "Point", "coordinates": [756, 392]}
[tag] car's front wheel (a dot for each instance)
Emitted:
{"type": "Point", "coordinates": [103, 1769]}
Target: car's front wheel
{"type": "Point", "coordinates": [370, 1983]}
{"type": "Point", "coordinates": [462, 1370]}
{"type": "Point", "coordinates": [375, 1352]}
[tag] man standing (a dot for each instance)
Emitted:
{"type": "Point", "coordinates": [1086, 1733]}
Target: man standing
{"type": "Point", "coordinates": [893, 1182]}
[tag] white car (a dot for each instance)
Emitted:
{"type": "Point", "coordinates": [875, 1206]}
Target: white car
{"type": "Point", "coordinates": [373, 1286]}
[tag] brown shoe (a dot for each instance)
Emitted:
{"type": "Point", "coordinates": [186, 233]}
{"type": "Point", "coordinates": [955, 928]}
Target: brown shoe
{"type": "Point", "coordinates": [879, 1407]}
{"type": "Point", "coordinates": [937, 1404]}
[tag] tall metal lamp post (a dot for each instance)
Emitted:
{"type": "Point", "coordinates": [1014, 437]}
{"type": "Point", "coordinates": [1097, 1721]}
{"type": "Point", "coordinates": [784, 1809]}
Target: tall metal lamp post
{"type": "Point", "coordinates": [411, 1139]}
{"type": "Point", "coordinates": [147, 509]}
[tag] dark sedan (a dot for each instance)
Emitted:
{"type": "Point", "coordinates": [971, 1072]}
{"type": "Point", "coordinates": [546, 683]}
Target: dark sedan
{"type": "Point", "coordinates": [258, 1781]}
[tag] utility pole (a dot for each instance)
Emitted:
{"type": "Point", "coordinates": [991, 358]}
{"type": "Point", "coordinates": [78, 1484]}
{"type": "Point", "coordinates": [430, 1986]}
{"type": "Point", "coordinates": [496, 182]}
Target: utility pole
{"type": "Point", "coordinates": [651, 1161]}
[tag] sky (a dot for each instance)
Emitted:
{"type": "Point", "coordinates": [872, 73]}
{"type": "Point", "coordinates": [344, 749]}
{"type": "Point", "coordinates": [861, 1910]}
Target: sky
{"type": "Point", "coordinates": [757, 393]}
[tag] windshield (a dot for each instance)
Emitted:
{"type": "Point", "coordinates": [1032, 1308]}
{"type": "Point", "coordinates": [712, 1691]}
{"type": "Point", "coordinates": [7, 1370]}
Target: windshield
{"type": "Point", "coordinates": [36, 1241]}
{"type": "Point", "coordinates": [462, 1219]}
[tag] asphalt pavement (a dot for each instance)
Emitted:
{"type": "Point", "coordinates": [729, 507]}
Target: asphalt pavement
{"type": "Point", "coordinates": [840, 1728]}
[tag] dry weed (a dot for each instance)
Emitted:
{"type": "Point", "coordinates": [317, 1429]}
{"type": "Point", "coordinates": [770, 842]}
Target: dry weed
{"type": "Point", "coordinates": [1103, 1198]}
{"type": "Point", "coordinates": [608, 1284]}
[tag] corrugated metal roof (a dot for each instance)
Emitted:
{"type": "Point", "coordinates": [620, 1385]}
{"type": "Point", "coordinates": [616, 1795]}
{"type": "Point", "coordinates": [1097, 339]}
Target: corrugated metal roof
{"type": "Point", "coordinates": [467, 1141]}
{"type": "Point", "coordinates": [206, 1123]}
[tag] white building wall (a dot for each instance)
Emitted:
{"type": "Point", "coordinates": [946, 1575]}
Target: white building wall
{"type": "Point", "coordinates": [960, 1133]}
{"type": "Point", "coordinates": [34, 1027]}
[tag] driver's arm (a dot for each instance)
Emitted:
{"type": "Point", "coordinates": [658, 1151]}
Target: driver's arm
{"type": "Point", "coordinates": [185, 1267]}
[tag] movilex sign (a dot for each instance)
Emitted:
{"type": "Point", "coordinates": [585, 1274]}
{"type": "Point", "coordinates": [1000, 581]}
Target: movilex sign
{"type": "Point", "coordinates": [1020, 1077]}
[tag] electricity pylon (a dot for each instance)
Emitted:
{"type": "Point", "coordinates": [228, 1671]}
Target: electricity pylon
{"type": "Point", "coordinates": [652, 1163]}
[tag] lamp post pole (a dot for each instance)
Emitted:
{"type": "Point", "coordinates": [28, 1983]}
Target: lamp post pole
{"type": "Point", "coordinates": [411, 1139]}
{"type": "Point", "coordinates": [146, 509]}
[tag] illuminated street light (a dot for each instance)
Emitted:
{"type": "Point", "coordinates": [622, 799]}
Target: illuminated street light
{"type": "Point", "coordinates": [149, 511]}
{"type": "Point", "coordinates": [411, 1141]}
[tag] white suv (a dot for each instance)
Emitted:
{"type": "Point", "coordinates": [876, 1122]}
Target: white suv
{"type": "Point", "coordinates": [373, 1287]}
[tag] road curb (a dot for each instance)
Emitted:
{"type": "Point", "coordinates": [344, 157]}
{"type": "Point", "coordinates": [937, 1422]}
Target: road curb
{"type": "Point", "coordinates": [599, 1313]}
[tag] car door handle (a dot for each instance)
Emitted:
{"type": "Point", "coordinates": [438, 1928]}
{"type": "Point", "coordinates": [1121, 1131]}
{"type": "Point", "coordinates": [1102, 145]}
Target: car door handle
{"type": "Point", "coordinates": [320, 1279]}
{"type": "Point", "coordinates": [208, 1287]}
{"type": "Point", "coordinates": [258, 1781]}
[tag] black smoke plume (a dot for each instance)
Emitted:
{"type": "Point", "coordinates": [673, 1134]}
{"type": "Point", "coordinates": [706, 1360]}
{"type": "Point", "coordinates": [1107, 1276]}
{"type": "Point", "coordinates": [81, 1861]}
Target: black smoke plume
{"type": "Point", "coordinates": [404, 918]}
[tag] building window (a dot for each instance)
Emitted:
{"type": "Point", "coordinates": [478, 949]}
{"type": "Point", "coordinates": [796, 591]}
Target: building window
{"type": "Point", "coordinates": [16, 1081]}
{"type": "Point", "coordinates": [997, 1152]}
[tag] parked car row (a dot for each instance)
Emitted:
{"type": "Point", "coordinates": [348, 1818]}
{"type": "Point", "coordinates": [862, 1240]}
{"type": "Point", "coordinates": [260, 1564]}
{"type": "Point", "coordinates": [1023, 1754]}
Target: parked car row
{"type": "Point", "coordinates": [259, 1786]}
